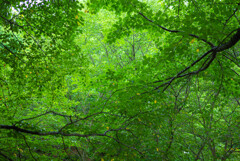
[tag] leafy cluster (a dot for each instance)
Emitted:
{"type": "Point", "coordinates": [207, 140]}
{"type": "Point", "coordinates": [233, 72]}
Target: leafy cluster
{"type": "Point", "coordinates": [119, 80]}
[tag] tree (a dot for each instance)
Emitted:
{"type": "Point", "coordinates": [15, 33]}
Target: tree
{"type": "Point", "coordinates": [155, 80]}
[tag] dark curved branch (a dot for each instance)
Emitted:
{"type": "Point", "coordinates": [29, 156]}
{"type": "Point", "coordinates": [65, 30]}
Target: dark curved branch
{"type": "Point", "coordinates": [213, 56]}
{"type": "Point", "coordinates": [10, 21]}
{"type": "Point", "coordinates": [29, 149]}
{"type": "Point", "coordinates": [12, 52]}
{"type": "Point", "coordinates": [15, 128]}
{"type": "Point", "coordinates": [235, 38]}
{"type": "Point", "coordinates": [231, 16]}
{"type": "Point", "coordinates": [49, 112]}
{"type": "Point", "coordinates": [175, 31]}
{"type": "Point", "coordinates": [232, 60]}
{"type": "Point", "coordinates": [187, 68]}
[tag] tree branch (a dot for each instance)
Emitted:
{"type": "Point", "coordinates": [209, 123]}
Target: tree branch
{"type": "Point", "coordinates": [235, 38]}
{"type": "Point", "coordinates": [175, 31]}
{"type": "Point", "coordinates": [15, 128]}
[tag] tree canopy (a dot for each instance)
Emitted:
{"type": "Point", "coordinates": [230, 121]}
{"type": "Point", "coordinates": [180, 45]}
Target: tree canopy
{"type": "Point", "coordinates": [119, 80]}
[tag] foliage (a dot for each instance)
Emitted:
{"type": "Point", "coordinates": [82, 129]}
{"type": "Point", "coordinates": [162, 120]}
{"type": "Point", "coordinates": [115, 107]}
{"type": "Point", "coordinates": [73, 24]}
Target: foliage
{"type": "Point", "coordinates": [119, 80]}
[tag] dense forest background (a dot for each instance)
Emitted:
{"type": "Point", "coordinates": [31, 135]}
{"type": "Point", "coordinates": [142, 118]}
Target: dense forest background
{"type": "Point", "coordinates": [119, 80]}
